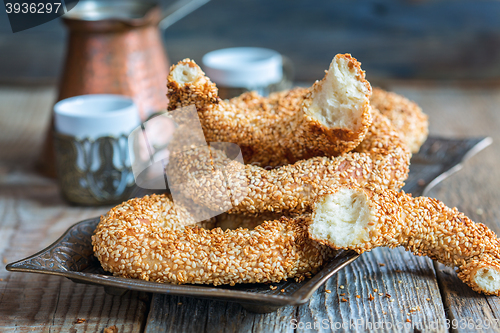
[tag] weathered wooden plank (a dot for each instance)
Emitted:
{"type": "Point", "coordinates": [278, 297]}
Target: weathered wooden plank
{"type": "Point", "coordinates": [24, 118]}
{"type": "Point", "coordinates": [33, 215]}
{"type": "Point", "coordinates": [475, 190]}
{"type": "Point", "coordinates": [409, 280]}
{"type": "Point", "coordinates": [183, 314]}
{"type": "Point", "coordinates": [30, 219]}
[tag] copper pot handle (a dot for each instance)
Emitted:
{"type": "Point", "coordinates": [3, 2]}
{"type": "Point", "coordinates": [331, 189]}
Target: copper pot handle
{"type": "Point", "coordinates": [178, 10]}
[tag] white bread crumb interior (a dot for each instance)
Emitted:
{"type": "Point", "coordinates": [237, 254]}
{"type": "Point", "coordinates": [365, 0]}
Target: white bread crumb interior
{"type": "Point", "coordinates": [488, 279]}
{"type": "Point", "coordinates": [342, 218]}
{"type": "Point", "coordinates": [339, 102]}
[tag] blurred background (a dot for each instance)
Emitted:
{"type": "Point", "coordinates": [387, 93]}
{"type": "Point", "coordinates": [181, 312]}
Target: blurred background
{"type": "Point", "coordinates": [403, 39]}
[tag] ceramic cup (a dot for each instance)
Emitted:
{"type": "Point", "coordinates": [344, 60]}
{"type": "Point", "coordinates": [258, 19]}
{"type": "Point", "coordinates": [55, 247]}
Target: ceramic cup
{"type": "Point", "coordinates": [240, 69]}
{"type": "Point", "coordinates": [90, 139]}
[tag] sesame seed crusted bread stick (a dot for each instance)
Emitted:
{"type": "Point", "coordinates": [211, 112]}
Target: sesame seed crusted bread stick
{"type": "Point", "coordinates": [382, 162]}
{"type": "Point", "coordinates": [249, 221]}
{"type": "Point", "coordinates": [360, 219]}
{"type": "Point", "coordinates": [406, 117]}
{"type": "Point", "coordinates": [147, 239]}
{"type": "Point", "coordinates": [328, 119]}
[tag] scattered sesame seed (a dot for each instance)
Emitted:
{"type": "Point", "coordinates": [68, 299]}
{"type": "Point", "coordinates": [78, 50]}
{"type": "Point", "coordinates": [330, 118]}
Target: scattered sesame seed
{"type": "Point", "coordinates": [381, 264]}
{"type": "Point", "coordinates": [344, 300]}
{"type": "Point", "coordinates": [341, 287]}
{"type": "Point", "coordinates": [328, 291]}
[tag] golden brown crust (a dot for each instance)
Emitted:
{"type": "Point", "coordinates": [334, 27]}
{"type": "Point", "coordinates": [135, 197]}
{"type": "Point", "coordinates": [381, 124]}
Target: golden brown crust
{"type": "Point", "coordinates": [383, 163]}
{"type": "Point", "coordinates": [146, 239]}
{"type": "Point", "coordinates": [406, 117]}
{"type": "Point", "coordinates": [274, 130]}
{"type": "Point", "coordinates": [427, 227]}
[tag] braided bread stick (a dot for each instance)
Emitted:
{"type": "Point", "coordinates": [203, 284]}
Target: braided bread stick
{"type": "Point", "coordinates": [406, 117]}
{"type": "Point", "coordinates": [148, 239]}
{"type": "Point", "coordinates": [214, 181]}
{"type": "Point", "coordinates": [360, 219]}
{"type": "Point", "coordinates": [330, 118]}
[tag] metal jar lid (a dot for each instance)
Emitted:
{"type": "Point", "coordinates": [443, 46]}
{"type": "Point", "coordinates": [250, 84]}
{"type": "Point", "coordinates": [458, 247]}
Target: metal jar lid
{"type": "Point", "coordinates": [246, 67]}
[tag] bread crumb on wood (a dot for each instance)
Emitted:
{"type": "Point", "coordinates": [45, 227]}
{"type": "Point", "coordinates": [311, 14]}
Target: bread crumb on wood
{"type": "Point", "coordinates": [80, 320]}
{"type": "Point", "coordinates": [111, 329]}
{"type": "Point", "coordinates": [381, 264]}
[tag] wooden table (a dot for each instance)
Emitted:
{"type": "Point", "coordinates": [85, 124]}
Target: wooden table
{"type": "Point", "coordinates": [33, 215]}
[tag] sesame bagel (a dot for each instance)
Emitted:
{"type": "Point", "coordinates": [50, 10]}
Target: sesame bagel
{"type": "Point", "coordinates": [210, 179]}
{"type": "Point", "coordinates": [152, 239]}
{"type": "Point", "coordinates": [327, 119]}
{"type": "Point", "coordinates": [406, 117]}
{"type": "Point", "coordinates": [360, 220]}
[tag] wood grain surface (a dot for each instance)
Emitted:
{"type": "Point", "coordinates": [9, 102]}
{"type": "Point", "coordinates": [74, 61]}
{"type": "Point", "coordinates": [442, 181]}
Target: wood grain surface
{"type": "Point", "coordinates": [475, 190]}
{"type": "Point", "coordinates": [33, 215]}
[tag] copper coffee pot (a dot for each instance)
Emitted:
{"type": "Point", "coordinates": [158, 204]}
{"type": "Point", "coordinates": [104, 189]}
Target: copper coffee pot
{"type": "Point", "coordinates": [115, 47]}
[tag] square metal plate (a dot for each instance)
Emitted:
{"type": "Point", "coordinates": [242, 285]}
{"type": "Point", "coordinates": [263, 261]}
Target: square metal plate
{"type": "Point", "coordinates": [71, 255]}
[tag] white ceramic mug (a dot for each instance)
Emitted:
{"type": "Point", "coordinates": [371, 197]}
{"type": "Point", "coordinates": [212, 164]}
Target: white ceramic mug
{"type": "Point", "coordinates": [94, 116]}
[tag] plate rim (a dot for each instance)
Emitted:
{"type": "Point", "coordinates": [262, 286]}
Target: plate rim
{"type": "Point", "coordinates": [297, 297]}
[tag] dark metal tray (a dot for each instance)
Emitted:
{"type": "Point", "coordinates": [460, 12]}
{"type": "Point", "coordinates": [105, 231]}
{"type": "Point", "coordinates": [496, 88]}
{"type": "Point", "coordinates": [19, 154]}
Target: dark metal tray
{"type": "Point", "coordinates": [71, 255]}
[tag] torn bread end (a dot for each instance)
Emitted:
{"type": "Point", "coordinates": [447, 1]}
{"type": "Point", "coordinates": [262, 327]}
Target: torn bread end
{"type": "Point", "coordinates": [341, 99]}
{"type": "Point", "coordinates": [342, 219]}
